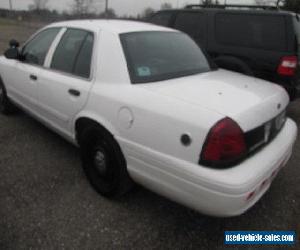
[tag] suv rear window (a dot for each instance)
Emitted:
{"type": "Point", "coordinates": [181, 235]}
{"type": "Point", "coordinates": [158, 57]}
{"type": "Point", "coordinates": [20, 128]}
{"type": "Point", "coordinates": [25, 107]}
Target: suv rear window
{"type": "Point", "coordinates": [252, 31]}
{"type": "Point", "coordinates": [297, 31]}
{"type": "Point", "coordinates": [162, 18]}
{"type": "Point", "coordinates": [159, 55]}
{"type": "Point", "coordinates": [192, 23]}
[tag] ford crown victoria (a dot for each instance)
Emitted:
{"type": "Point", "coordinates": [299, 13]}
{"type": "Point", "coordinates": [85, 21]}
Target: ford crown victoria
{"type": "Point", "coordinates": [145, 105]}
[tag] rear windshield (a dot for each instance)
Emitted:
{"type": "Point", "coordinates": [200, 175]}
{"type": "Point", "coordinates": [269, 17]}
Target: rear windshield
{"type": "Point", "coordinates": [158, 55]}
{"type": "Point", "coordinates": [267, 32]}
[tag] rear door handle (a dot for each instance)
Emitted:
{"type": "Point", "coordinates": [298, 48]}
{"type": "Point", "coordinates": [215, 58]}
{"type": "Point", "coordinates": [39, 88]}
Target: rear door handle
{"type": "Point", "coordinates": [33, 77]}
{"type": "Point", "coordinates": [74, 92]}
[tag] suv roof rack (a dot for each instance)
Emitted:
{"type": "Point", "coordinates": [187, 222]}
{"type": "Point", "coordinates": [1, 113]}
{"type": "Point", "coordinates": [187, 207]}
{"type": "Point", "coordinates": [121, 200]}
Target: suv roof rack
{"type": "Point", "coordinates": [238, 6]}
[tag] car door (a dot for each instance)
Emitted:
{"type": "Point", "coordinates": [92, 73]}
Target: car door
{"type": "Point", "coordinates": [64, 86]}
{"type": "Point", "coordinates": [22, 74]}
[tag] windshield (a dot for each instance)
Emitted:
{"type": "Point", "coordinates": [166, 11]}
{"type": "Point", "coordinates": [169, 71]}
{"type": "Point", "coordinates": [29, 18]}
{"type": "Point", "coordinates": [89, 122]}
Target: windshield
{"type": "Point", "coordinates": [157, 56]}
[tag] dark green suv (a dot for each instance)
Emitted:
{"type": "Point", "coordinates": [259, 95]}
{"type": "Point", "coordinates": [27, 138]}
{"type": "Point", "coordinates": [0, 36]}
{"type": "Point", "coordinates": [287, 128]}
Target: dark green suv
{"type": "Point", "coordinates": [258, 41]}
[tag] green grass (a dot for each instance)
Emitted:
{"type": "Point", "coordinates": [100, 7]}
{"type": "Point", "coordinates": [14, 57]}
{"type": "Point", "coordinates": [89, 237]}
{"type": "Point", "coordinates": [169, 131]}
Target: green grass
{"type": "Point", "coordinates": [18, 30]}
{"type": "Point", "coordinates": [6, 21]}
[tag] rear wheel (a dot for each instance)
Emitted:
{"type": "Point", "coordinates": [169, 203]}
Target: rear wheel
{"type": "Point", "coordinates": [6, 107]}
{"type": "Point", "coordinates": [104, 162]}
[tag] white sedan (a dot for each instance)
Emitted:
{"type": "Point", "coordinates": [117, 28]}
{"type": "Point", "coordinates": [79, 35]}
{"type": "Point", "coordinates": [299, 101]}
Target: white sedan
{"type": "Point", "coordinates": [144, 104]}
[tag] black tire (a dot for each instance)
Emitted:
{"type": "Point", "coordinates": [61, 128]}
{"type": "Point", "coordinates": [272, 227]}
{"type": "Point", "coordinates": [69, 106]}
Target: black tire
{"type": "Point", "coordinates": [103, 162]}
{"type": "Point", "coordinates": [234, 64]}
{"type": "Point", "coordinates": [6, 107]}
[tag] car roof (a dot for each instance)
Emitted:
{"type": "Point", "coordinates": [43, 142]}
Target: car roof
{"type": "Point", "coordinates": [114, 26]}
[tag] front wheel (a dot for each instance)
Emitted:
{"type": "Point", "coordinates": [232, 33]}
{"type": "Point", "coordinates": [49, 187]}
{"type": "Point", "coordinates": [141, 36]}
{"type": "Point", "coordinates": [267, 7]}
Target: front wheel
{"type": "Point", "coordinates": [6, 107]}
{"type": "Point", "coordinates": [104, 163]}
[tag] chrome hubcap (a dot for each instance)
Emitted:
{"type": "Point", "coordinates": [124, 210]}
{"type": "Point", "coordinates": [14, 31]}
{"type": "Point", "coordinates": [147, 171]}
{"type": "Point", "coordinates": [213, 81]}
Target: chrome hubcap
{"type": "Point", "coordinates": [100, 161]}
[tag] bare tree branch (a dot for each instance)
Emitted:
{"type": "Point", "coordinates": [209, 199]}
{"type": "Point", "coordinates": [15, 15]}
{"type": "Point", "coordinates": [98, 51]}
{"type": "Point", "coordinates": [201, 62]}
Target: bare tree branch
{"type": "Point", "coordinates": [39, 4]}
{"type": "Point", "coordinates": [81, 7]}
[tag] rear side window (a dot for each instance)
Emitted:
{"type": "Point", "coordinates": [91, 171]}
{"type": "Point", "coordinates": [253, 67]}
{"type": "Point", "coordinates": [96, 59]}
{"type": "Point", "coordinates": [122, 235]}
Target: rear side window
{"type": "Point", "coordinates": [194, 24]}
{"type": "Point", "coordinates": [252, 31]}
{"type": "Point", "coordinates": [162, 18]}
{"type": "Point", "coordinates": [82, 66]}
{"type": "Point", "coordinates": [74, 53]}
{"type": "Point", "coordinates": [35, 51]}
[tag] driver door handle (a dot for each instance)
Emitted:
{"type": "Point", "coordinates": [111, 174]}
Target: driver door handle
{"type": "Point", "coordinates": [74, 92]}
{"type": "Point", "coordinates": [33, 77]}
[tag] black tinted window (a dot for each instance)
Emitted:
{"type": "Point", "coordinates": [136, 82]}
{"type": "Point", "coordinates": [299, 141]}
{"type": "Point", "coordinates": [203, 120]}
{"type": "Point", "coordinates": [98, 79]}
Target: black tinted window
{"type": "Point", "coordinates": [73, 53]}
{"type": "Point", "coordinates": [193, 24]}
{"type": "Point", "coordinates": [252, 31]}
{"type": "Point", "coordinates": [35, 51]}
{"type": "Point", "coordinates": [297, 28]}
{"type": "Point", "coordinates": [162, 18]}
{"type": "Point", "coordinates": [83, 64]}
{"type": "Point", "coordinates": [157, 56]}
{"type": "Point", "coordinates": [297, 31]}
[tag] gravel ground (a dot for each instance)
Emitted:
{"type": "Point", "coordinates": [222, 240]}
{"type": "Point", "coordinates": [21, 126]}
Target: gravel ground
{"type": "Point", "coordinates": [47, 203]}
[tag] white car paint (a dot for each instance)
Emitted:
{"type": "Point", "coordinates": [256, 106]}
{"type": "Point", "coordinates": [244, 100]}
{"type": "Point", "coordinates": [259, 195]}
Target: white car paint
{"type": "Point", "coordinates": [148, 119]}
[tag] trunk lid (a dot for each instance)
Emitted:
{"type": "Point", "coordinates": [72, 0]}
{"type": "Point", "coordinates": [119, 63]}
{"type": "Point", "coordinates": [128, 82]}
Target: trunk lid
{"type": "Point", "coordinates": [249, 101]}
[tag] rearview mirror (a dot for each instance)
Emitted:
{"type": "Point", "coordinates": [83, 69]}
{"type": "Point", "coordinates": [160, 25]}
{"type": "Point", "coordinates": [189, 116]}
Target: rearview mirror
{"type": "Point", "coordinates": [12, 53]}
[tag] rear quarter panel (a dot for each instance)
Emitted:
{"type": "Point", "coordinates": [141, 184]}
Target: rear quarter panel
{"type": "Point", "coordinates": [157, 123]}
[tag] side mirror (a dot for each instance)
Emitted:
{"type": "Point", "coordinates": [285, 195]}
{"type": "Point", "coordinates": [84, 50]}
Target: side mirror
{"type": "Point", "coordinates": [14, 43]}
{"type": "Point", "coordinates": [12, 53]}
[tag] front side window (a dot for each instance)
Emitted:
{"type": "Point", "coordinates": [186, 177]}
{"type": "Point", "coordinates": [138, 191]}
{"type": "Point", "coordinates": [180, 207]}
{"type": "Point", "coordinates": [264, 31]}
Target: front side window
{"type": "Point", "coordinates": [74, 53]}
{"type": "Point", "coordinates": [35, 51]}
{"type": "Point", "coordinates": [159, 55]}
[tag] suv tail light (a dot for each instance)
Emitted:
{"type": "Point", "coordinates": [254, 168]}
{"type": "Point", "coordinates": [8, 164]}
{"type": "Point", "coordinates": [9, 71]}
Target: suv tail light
{"type": "Point", "coordinates": [224, 146]}
{"type": "Point", "coordinates": [288, 66]}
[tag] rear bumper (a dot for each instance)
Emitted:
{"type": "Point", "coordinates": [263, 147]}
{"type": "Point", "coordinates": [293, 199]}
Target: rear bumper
{"type": "Point", "coordinates": [214, 192]}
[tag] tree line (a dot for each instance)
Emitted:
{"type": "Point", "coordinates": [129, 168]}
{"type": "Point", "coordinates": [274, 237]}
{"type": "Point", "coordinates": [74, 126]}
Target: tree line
{"type": "Point", "coordinates": [39, 9]}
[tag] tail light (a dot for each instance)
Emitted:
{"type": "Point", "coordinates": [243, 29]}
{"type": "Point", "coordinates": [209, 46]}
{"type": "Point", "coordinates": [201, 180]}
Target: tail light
{"type": "Point", "coordinates": [288, 66]}
{"type": "Point", "coordinates": [225, 145]}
